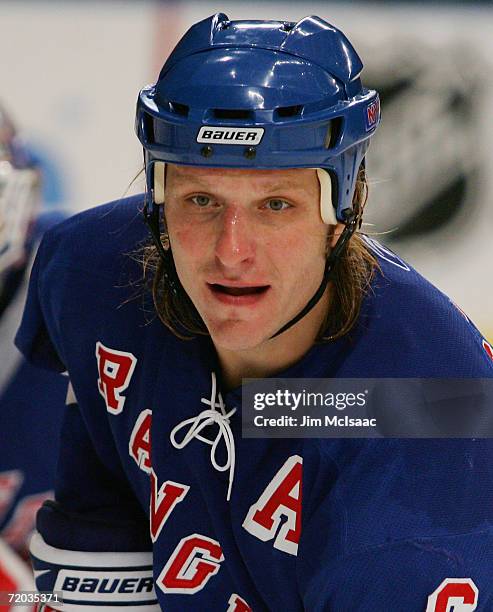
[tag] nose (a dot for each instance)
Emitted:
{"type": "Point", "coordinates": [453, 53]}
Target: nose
{"type": "Point", "coordinates": [235, 244]}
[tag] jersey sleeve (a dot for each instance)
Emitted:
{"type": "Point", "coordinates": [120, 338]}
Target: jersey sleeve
{"type": "Point", "coordinates": [35, 337]}
{"type": "Point", "coordinates": [411, 575]}
{"type": "Point", "coordinates": [92, 543]}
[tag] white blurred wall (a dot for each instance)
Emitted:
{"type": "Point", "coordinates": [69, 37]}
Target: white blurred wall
{"type": "Point", "coordinates": [71, 82]}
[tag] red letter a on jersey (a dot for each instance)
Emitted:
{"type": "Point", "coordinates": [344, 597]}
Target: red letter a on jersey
{"type": "Point", "coordinates": [115, 371]}
{"type": "Point", "coordinates": [281, 497]}
{"type": "Point", "coordinates": [139, 446]}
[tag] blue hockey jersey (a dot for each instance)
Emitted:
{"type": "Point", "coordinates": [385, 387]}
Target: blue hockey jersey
{"type": "Point", "coordinates": [346, 525]}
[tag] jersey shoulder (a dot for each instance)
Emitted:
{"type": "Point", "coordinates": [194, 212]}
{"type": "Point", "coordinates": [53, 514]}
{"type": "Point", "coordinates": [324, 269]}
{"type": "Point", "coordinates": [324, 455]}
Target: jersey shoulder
{"type": "Point", "coordinates": [408, 327]}
{"type": "Point", "coordinates": [95, 239]}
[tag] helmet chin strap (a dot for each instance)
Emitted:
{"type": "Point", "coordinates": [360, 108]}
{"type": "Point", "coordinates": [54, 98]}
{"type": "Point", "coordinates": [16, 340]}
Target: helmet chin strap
{"type": "Point", "coordinates": [352, 223]}
{"type": "Point", "coordinates": [351, 226]}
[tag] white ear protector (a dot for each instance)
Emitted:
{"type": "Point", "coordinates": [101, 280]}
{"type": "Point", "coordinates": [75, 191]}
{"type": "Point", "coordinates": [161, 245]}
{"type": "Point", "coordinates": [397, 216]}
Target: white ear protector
{"type": "Point", "coordinates": [159, 171]}
{"type": "Point", "coordinates": [327, 211]}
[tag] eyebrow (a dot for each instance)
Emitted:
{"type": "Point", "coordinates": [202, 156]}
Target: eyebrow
{"type": "Point", "coordinates": [180, 179]}
{"type": "Point", "coordinates": [283, 186]}
{"type": "Point", "coordinates": [276, 187]}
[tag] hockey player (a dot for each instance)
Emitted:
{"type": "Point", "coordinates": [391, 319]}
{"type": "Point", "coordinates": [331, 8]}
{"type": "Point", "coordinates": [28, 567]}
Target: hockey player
{"type": "Point", "coordinates": [31, 399]}
{"type": "Point", "coordinates": [254, 138]}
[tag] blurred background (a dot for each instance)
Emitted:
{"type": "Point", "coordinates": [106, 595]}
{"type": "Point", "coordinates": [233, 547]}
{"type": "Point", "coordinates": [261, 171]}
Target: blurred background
{"type": "Point", "coordinates": [71, 71]}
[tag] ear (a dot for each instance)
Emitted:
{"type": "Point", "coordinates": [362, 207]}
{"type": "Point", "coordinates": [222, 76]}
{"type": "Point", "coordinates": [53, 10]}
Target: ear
{"type": "Point", "coordinates": [334, 233]}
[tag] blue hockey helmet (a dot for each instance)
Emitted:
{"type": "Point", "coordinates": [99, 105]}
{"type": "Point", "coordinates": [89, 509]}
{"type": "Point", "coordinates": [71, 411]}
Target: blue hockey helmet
{"type": "Point", "coordinates": [261, 94]}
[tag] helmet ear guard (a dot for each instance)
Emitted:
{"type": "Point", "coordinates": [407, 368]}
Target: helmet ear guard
{"type": "Point", "coordinates": [159, 182]}
{"type": "Point", "coordinates": [327, 209]}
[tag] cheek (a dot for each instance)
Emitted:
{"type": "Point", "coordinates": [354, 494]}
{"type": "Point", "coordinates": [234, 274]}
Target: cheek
{"type": "Point", "coordinates": [184, 252]}
{"type": "Point", "coordinates": [186, 241]}
{"type": "Point", "coordinates": [183, 238]}
{"type": "Point", "coordinates": [305, 248]}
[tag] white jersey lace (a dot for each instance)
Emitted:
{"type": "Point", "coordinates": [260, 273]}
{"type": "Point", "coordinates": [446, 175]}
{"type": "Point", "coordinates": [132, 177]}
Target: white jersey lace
{"type": "Point", "coordinates": [215, 414]}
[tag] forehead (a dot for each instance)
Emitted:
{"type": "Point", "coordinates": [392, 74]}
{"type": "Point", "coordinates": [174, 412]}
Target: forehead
{"type": "Point", "coordinates": [288, 178]}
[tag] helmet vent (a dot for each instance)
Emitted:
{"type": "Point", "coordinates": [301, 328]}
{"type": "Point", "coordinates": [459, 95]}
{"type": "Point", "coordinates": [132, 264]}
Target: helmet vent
{"type": "Point", "coordinates": [333, 134]}
{"type": "Point", "coordinates": [179, 109]}
{"type": "Point", "coordinates": [287, 26]}
{"type": "Point", "coordinates": [288, 111]}
{"type": "Point", "coordinates": [228, 113]}
{"type": "Point", "coordinates": [148, 128]}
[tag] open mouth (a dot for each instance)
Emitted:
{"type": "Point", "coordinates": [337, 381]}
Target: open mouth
{"type": "Point", "coordinates": [238, 291]}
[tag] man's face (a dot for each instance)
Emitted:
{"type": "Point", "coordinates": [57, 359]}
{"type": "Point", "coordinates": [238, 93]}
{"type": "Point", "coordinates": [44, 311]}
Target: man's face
{"type": "Point", "coordinates": [249, 247]}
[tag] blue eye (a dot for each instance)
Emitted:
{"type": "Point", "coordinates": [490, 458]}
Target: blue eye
{"type": "Point", "coordinates": [276, 204]}
{"type": "Point", "coordinates": [201, 200]}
